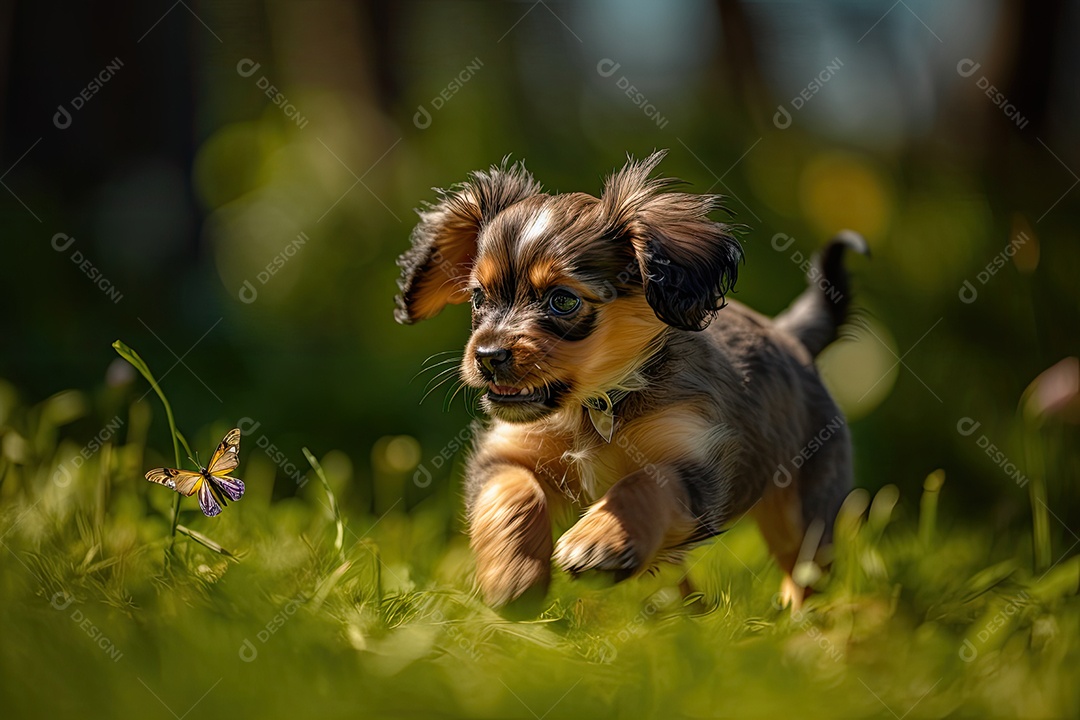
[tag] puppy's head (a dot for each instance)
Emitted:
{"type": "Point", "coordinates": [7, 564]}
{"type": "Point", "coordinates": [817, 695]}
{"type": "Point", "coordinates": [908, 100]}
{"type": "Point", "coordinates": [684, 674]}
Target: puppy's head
{"type": "Point", "coordinates": [570, 293]}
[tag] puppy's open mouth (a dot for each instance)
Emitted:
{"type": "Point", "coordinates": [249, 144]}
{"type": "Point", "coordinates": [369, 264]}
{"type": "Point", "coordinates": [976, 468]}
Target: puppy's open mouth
{"type": "Point", "coordinates": [523, 403]}
{"type": "Point", "coordinates": [509, 394]}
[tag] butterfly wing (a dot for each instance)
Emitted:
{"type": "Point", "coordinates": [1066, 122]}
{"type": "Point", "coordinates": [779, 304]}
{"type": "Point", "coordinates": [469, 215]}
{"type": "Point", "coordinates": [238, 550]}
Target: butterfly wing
{"type": "Point", "coordinates": [184, 482]}
{"type": "Point", "coordinates": [227, 456]}
{"type": "Point", "coordinates": [222, 462]}
{"type": "Point", "coordinates": [208, 502]}
{"type": "Point", "coordinates": [232, 487]}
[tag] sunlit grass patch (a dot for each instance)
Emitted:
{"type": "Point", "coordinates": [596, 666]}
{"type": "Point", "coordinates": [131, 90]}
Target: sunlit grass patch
{"type": "Point", "coordinates": [328, 610]}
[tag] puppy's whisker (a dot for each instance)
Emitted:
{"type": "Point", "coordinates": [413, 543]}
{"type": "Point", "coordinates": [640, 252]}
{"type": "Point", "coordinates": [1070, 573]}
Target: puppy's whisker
{"type": "Point", "coordinates": [471, 406]}
{"type": "Point", "coordinates": [459, 389]}
{"type": "Point", "coordinates": [430, 365]}
{"type": "Point", "coordinates": [443, 374]}
{"type": "Point", "coordinates": [454, 361]}
{"type": "Point", "coordinates": [430, 391]}
{"type": "Point", "coordinates": [435, 355]}
{"type": "Point", "coordinates": [450, 393]}
{"type": "Point", "coordinates": [443, 362]}
{"type": "Point", "coordinates": [441, 383]}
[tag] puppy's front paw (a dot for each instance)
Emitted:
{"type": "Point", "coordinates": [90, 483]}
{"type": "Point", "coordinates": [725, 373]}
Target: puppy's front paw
{"type": "Point", "coordinates": [599, 541]}
{"type": "Point", "coordinates": [511, 537]}
{"type": "Point", "coordinates": [508, 577]}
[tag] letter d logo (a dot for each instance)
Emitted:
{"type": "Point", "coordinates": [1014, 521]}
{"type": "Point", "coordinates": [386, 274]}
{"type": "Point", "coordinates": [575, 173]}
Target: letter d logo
{"type": "Point", "coordinates": [968, 293]}
{"type": "Point", "coordinates": [60, 600]}
{"type": "Point", "coordinates": [61, 242]}
{"type": "Point", "coordinates": [422, 118]}
{"type": "Point", "coordinates": [607, 652]}
{"type": "Point", "coordinates": [62, 118]}
{"type": "Point", "coordinates": [782, 241]}
{"type": "Point", "coordinates": [967, 67]}
{"type": "Point", "coordinates": [782, 477]}
{"type": "Point", "coordinates": [782, 118]}
{"type": "Point", "coordinates": [248, 425]}
{"type": "Point", "coordinates": [248, 293]}
{"type": "Point", "coordinates": [247, 67]}
{"type": "Point", "coordinates": [248, 651]}
{"type": "Point", "coordinates": [422, 477]}
{"type": "Point", "coordinates": [607, 67]}
{"type": "Point", "coordinates": [62, 476]}
{"type": "Point", "coordinates": [966, 426]}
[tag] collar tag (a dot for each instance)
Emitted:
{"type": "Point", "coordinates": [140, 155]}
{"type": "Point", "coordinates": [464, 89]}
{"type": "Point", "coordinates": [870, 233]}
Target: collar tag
{"type": "Point", "coordinates": [602, 415]}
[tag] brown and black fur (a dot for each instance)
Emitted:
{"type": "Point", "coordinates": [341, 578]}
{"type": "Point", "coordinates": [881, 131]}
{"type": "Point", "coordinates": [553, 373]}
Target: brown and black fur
{"type": "Point", "coordinates": [711, 398]}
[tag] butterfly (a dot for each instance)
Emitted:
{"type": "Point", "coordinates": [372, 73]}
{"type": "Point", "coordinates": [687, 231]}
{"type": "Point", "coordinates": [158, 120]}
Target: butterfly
{"type": "Point", "coordinates": [211, 483]}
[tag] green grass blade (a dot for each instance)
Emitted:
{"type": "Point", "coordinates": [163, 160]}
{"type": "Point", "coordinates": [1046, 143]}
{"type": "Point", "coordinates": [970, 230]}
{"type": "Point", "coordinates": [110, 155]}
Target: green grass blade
{"type": "Point", "coordinates": [339, 540]}
{"type": "Point", "coordinates": [928, 506]}
{"type": "Point", "coordinates": [1037, 492]}
{"type": "Point", "coordinates": [177, 438]}
{"type": "Point", "coordinates": [139, 364]}
{"type": "Point", "coordinates": [206, 542]}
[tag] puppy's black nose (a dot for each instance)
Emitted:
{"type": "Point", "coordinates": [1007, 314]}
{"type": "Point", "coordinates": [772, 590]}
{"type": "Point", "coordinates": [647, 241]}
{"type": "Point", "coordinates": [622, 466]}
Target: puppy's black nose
{"type": "Point", "coordinates": [491, 359]}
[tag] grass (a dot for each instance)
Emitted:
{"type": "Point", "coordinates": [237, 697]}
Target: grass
{"type": "Point", "coordinates": [318, 609]}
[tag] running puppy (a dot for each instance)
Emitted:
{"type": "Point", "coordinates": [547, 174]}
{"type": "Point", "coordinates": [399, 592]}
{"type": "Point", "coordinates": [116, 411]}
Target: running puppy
{"type": "Point", "coordinates": [610, 390]}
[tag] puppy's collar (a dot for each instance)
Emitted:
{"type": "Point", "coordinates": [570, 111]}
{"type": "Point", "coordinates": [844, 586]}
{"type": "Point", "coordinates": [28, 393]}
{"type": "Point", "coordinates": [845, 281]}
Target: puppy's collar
{"type": "Point", "coordinates": [602, 411]}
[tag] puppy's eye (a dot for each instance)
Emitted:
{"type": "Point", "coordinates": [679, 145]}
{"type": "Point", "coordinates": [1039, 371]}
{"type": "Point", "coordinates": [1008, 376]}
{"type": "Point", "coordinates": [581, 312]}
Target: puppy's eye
{"type": "Point", "coordinates": [478, 297]}
{"type": "Point", "coordinates": [563, 302]}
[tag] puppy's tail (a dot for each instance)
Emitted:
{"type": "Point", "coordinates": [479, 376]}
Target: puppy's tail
{"type": "Point", "coordinates": [816, 316]}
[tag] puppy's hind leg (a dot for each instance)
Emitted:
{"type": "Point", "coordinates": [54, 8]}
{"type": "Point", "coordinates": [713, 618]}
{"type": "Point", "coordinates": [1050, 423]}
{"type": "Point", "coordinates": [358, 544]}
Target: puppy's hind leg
{"type": "Point", "coordinates": [779, 516]}
{"type": "Point", "coordinates": [798, 509]}
{"type": "Point", "coordinates": [826, 480]}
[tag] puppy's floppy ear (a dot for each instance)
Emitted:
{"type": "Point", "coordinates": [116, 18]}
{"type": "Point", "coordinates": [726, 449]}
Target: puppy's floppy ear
{"type": "Point", "coordinates": [435, 270]}
{"type": "Point", "coordinates": [687, 261]}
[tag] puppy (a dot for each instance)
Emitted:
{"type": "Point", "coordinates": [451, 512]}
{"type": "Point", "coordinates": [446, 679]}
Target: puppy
{"type": "Point", "coordinates": [609, 389]}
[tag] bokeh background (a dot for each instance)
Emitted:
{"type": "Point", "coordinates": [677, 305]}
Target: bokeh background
{"type": "Point", "coordinates": [241, 175]}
